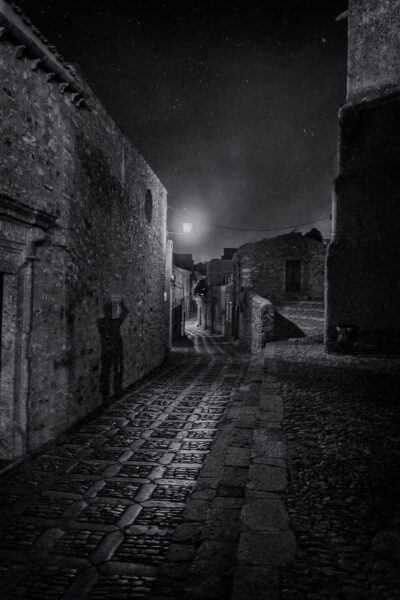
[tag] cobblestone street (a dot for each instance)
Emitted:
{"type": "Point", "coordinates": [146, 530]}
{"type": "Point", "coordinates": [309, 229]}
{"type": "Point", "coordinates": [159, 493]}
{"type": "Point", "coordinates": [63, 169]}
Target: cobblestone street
{"type": "Point", "coordinates": [95, 515]}
{"type": "Point", "coordinates": [179, 489]}
{"type": "Point", "coordinates": [342, 421]}
{"type": "Point", "coordinates": [199, 300]}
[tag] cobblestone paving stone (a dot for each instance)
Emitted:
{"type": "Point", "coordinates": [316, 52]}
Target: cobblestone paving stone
{"type": "Point", "coordinates": [95, 515]}
{"type": "Point", "coordinates": [342, 420]}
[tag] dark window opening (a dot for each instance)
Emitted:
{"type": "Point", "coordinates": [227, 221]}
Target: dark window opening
{"type": "Point", "coordinates": [148, 206]}
{"type": "Point", "coordinates": [293, 276]}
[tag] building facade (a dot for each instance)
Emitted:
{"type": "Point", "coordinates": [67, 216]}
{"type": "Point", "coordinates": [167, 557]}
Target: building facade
{"type": "Point", "coordinates": [184, 261]}
{"type": "Point", "coordinates": [287, 267]}
{"type": "Point", "coordinates": [363, 262]}
{"type": "Point", "coordinates": [181, 292]}
{"type": "Point", "coordinates": [219, 276]}
{"type": "Point", "coordinates": [270, 274]}
{"type": "Point", "coordinates": [82, 248]}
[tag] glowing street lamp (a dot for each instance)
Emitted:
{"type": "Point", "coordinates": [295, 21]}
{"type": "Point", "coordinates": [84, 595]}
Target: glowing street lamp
{"type": "Point", "coordinates": [187, 227]}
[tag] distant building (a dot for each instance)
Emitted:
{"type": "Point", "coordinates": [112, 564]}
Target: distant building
{"type": "Point", "coordinates": [219, 275]}
{"type": "Point", "coordinates": [286, 267]}
{"type": "Point", "coordinates": [184, 261]}
{"type": "Point", "coordinates": [82, 248]}
{"type": "Point", "coordinates": [286, 271]}
{"type": "Point", "coordinates": [200, 269]}
{"type": "Point", "coordinates": [200, 296]}
{"type": "Point", "coordinates": [363, 262]}
{"type": "Point", "coordinates": [228, 253]}
{"type": "Point", "coordinates": [211, 294]}
{"type": "Point", "coordinates": [181, 292]}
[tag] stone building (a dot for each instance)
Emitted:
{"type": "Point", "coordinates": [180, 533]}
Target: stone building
{"type": "Point", "coordinates": [281, 278]}
{"type": "Point", "coordinates": [211, 294]}
{"type": "Point", "coordinates": [82, 247]}
{"type": "Point", "coordinates": [200, 297]}
{"type": "Point", "coordinates": [184, 261]}
{"type": "Point", "coordinates": [363, 262]}
{"type": "Point", "coordinates": [181, 292]}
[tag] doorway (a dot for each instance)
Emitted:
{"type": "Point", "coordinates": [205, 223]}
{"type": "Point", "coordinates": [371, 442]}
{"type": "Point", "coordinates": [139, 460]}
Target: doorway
{"type": "Point", "coordinates": [293, 276]}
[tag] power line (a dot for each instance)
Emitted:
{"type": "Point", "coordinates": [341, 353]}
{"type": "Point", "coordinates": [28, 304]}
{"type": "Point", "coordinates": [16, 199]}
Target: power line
{"type": "Point", "coordinates": [260, 230]}
{"type": "Point", "coordinates": [272, 228]}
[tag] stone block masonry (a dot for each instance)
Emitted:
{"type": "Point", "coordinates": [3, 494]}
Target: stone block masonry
{"type": "Point", "coordinates": [258, 322]}
{"type": "Point", "coordinates": [264, 267]}
{"type": "Point", "coordinates": [267, 275]}
{"type": "Point", "coordinates": [363, 260]}
{"type": "Point", "coordinates": [82, 252]}
{"type": "Point", "coordinates": [374, 47]}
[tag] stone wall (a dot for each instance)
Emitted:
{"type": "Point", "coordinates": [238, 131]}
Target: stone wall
{"type": "Point", "coordinates": [217, 268]}
{"type": "Point", "coordinates": [261, 266]}
{"type": "Point", "coordinates": [181, 300]}
{"type": "Point", "coordinates": [363, 261]}
{"type": "Point", "coordinates": [168, 294]}
{"type": "Point", "coordinates": [257, 325]}
{"type": "Point", "coordinates": [182, 288]}
{"type": "Point", "coordinates": [219, 273]}
{"type": "Point", "coordinates": [83, 229]}
{"type": "Point", "coordinates": [374, 47]}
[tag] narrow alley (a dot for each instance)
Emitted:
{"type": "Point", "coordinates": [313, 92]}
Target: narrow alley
{"type": "Point", "coordinates": [222, 475]}
{"type": "Point", "coordinates": [96, 515]}
{"type": "Point", "coordinates": [199, 300]}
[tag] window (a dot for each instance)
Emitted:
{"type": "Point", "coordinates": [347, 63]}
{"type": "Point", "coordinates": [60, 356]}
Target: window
{"type": "Point", "coordinates": [293, 276]}
{"type": "Point", "coordinates": [148, 206]}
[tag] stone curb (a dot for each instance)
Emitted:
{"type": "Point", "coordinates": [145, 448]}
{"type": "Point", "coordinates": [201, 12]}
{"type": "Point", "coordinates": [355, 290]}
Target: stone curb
{"type": "Point", "coordinates": [266, 542]}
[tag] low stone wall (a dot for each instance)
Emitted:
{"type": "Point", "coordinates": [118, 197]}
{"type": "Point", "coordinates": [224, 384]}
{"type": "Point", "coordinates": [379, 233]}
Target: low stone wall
{"type": "Point", "coordinates": [259, 318]}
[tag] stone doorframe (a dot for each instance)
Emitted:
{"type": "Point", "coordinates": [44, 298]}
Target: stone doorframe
{"type": "Point", "coordinates": [22, 228]}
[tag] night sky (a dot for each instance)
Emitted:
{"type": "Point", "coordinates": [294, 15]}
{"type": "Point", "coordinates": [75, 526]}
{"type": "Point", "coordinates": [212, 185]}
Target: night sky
{"type": "Point", "coordinates": [233, 105]}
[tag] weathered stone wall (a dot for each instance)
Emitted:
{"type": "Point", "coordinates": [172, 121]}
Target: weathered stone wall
{"type": "Point", "coordinates": [168, 294]}
{"type": "Point", "coordinates": [216, 308]}
{"type": "Point", "coordinates": [262, 266]}
{"type": "Point", "coordinates": [181, 300]}
{"type": "Point", "coordinates": [182, 288]}
{"type": "Point", "coordinates": [219, 271]}
{"type": "Point", "coordinates": [257, 324]}
{"type": "Point", "coordinates": [374, 47]}
{"type": "Point", "coordinates": [217, 268]}
{"type": "Point", "coordinates": [227, 330]}
{"type": "Point", "coordinates": [103, 257]}
{"type": "Point", "coordinates": [363, 262]}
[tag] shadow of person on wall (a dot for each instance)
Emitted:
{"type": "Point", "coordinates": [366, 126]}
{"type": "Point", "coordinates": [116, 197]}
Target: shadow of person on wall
{"type": "Point", "coordinates": [112, 349]}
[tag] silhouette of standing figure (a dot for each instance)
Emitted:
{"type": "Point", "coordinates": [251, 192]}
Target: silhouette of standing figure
{"type": "Point", "coordinates": [112, 349]}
